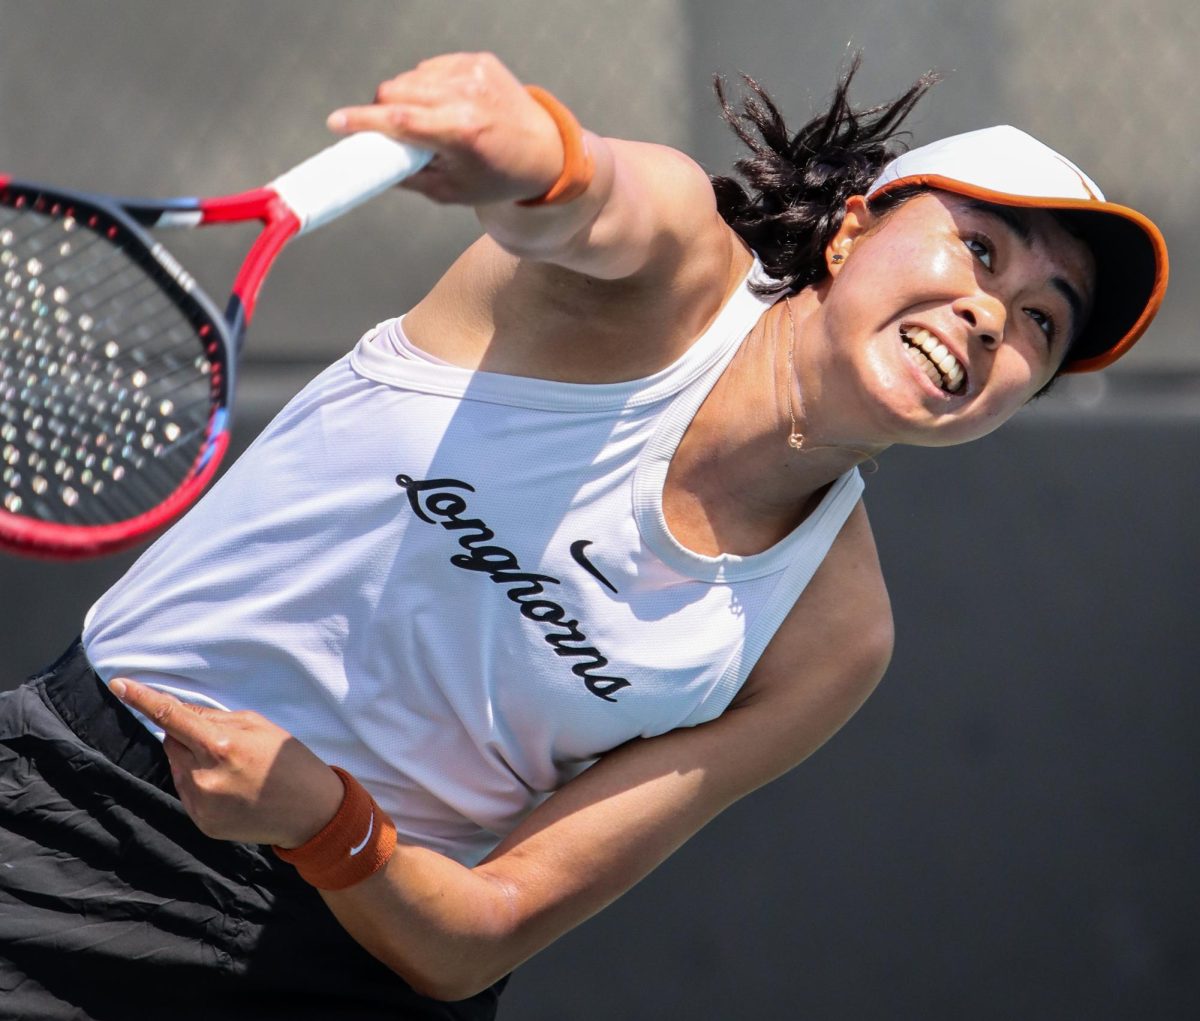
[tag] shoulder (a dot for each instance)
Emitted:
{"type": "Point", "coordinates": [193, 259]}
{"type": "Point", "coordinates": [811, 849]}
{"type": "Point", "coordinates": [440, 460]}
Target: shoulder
{"type": "Point", "coordinates": [673, 176]}
{"type": "Point", "coordinates": [836, 642]}
{"type": "Point", "coordinates": [625, 295]}
{"type": "Point", "coordinates": [661, 215]}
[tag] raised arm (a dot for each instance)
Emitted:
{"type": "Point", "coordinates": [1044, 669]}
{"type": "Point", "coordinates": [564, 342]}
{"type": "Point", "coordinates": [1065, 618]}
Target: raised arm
{"type": "Point", "coordinates": [647, 211]}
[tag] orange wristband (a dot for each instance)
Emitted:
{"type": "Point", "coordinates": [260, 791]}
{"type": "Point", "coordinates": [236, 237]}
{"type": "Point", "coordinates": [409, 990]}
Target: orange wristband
{"type": "Point", "coordinates": [578, 165]}
{"type": "Point", "coordinates": [355, 844]}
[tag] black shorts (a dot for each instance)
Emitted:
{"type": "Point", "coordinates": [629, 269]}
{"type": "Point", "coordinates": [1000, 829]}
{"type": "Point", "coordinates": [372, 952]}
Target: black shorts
{"type": "Point", "coordinates": [114, 906]}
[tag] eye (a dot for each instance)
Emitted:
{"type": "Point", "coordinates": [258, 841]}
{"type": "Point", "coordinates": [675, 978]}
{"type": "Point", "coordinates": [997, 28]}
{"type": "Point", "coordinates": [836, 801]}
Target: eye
{"type": "Point", "coordinates": [1044, 320]}
{"type": "Point", "coordinates": [980, 245]}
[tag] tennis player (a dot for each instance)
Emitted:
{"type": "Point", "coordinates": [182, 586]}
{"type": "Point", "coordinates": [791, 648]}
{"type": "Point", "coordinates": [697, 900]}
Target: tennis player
{"type": "Point", "coordinates": [541, 576]}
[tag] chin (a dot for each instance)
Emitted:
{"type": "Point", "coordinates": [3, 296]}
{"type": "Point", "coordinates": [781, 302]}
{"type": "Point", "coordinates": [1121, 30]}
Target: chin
{"type": "Point", "coordinates": [957, 432]}
{"type": "Point", "coordinates": [908, 410]}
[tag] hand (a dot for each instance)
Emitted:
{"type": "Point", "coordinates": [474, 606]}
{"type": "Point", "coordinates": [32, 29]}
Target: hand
{"type": "Point", "coordinates": [492, 142]}
{"type": "Point", "coordinates": [239, 776]}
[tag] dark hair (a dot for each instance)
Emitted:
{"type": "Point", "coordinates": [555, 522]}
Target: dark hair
{"type": "Point", "coordinates": [798, 184]}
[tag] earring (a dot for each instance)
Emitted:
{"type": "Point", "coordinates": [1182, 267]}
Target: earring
{"type": "Point", "coordinates": [838, 258]}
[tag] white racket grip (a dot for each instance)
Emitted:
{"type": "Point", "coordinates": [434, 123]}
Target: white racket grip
{"type": "Point", "coordinates": [345, 175]}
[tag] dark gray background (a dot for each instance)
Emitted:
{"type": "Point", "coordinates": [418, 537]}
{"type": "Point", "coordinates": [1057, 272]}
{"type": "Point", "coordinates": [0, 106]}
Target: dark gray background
{"type": "Point", "coordinates": [1008, 829]}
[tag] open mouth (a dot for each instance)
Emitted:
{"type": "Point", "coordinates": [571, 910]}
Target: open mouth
{"type": "Point", "coordinates": [933, 358]}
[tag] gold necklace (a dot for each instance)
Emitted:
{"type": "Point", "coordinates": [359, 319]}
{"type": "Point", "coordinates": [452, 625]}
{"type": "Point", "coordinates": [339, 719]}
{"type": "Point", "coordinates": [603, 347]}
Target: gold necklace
{"type": "Point", "coordinates": [795, 437]}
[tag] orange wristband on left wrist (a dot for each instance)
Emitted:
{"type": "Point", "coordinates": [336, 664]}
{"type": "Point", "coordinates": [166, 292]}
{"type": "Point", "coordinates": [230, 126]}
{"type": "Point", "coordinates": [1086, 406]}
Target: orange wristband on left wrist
{"type": "Point", "coordinates": [355, 844]}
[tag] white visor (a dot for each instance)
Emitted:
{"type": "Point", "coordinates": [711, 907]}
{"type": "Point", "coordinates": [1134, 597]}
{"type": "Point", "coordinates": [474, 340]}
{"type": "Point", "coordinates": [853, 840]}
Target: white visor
{"type": "Point", "coordinates": [1005, 166]}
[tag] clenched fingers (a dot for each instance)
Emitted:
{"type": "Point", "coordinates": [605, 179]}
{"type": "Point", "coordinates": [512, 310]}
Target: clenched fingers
{"type": "Point", "coordinates": [492, 141]}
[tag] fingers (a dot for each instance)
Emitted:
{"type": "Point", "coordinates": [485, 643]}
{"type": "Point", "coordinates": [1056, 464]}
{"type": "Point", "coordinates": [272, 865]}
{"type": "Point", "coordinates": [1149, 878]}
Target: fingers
{"type": "Point", "coordinates": [431, 127]}
{"type": "Point", "coordinates": [188, 724]}
{"type": "Point", "coordinates": [238, 775]}
{"type": "Point", "coordinates": [414, 88]}
{"type": "Point", "coordinates": [491, 140]}
{"type": "Point", "coordinates": [184, 765]}
{"type": "Point", "coordinates": [424, 105]}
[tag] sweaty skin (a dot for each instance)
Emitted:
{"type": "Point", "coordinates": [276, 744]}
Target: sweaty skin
{"type": "Point", "coordinates": [612, 286]}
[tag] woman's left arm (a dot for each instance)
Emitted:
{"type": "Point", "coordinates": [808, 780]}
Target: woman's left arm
{"type": "Point", "coordinates": [449, 930]}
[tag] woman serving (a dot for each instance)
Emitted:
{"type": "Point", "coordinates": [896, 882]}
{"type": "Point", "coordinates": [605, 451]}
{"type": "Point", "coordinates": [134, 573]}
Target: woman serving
{"type": "Point", "coordinates": [563, 562]}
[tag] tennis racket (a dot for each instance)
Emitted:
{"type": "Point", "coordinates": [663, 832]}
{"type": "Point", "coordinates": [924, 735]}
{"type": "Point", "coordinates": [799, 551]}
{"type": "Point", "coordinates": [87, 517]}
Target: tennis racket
{"type": "Point", "coordinates": [117, 372]}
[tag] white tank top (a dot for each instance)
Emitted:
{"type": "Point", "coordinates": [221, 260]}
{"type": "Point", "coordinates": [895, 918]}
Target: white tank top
{"type": "Point", "coordinates": [460, 585]}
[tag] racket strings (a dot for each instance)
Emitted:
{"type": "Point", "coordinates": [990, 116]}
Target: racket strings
{"type": "Point", "coordinates": [105, 387]}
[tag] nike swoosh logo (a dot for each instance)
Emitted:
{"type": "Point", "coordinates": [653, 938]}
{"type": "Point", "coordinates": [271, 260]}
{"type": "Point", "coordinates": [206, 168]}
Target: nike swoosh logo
{"type": "Point", "coordinates": [370, 830]}
{"type": "Point", "coordinates": [577, 554]}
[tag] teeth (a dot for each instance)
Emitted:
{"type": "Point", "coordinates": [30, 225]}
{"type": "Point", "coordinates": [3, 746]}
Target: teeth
{"type": "Point", "coordinates": [933, 358]}
{"type": "Point", "coordinates": [924, 364]}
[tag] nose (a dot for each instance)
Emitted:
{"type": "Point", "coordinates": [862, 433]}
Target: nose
{"type": "Point", "coordinates": [985, 316]}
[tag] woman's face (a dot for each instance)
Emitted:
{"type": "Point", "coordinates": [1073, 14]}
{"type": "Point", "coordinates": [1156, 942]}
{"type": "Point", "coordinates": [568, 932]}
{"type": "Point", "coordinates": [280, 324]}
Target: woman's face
{"type": "Point", "coordinates": [946, 314]}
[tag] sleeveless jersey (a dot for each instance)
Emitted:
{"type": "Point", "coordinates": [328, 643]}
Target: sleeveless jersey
{"type": "Point", "coordinates": [460, 586]}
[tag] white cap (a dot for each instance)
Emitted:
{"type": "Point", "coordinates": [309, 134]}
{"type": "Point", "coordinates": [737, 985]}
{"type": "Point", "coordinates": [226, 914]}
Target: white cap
{"type": "Point", "coordinates": [1005, 166]}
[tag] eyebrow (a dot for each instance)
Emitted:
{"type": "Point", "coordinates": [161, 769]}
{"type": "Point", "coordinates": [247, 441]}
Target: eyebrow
{"type": "Point", "coordinates": [1018, 222]}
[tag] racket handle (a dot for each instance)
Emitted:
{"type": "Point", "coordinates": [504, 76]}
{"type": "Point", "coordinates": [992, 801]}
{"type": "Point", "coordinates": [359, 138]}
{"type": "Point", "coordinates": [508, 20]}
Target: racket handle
{"type": "Point", "coordinates": [345, 175]}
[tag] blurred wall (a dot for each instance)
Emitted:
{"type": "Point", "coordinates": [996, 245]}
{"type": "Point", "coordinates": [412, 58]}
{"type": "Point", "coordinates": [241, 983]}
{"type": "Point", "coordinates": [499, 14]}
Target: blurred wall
{"type": "Point", "coordinates": [1008, 828]}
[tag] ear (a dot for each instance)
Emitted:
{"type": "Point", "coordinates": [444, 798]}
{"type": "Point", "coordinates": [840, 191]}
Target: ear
{"type": "Point", "coordinates": [857, 221]}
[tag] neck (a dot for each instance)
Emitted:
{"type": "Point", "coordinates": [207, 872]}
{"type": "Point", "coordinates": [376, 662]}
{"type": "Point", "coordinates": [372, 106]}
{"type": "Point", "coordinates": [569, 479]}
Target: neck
{"type": "Point", "coordinates": [735, 468]}
{"type": "Point", "coordinates": [824, 417]}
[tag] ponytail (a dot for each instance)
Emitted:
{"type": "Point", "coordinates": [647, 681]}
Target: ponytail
{"type": "Point", "coordinates": [797, 185]}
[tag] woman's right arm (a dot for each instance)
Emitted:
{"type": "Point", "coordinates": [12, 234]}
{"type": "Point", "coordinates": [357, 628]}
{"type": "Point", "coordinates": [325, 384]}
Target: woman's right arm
{"type": "Point", "coordinates": [648, 212]}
